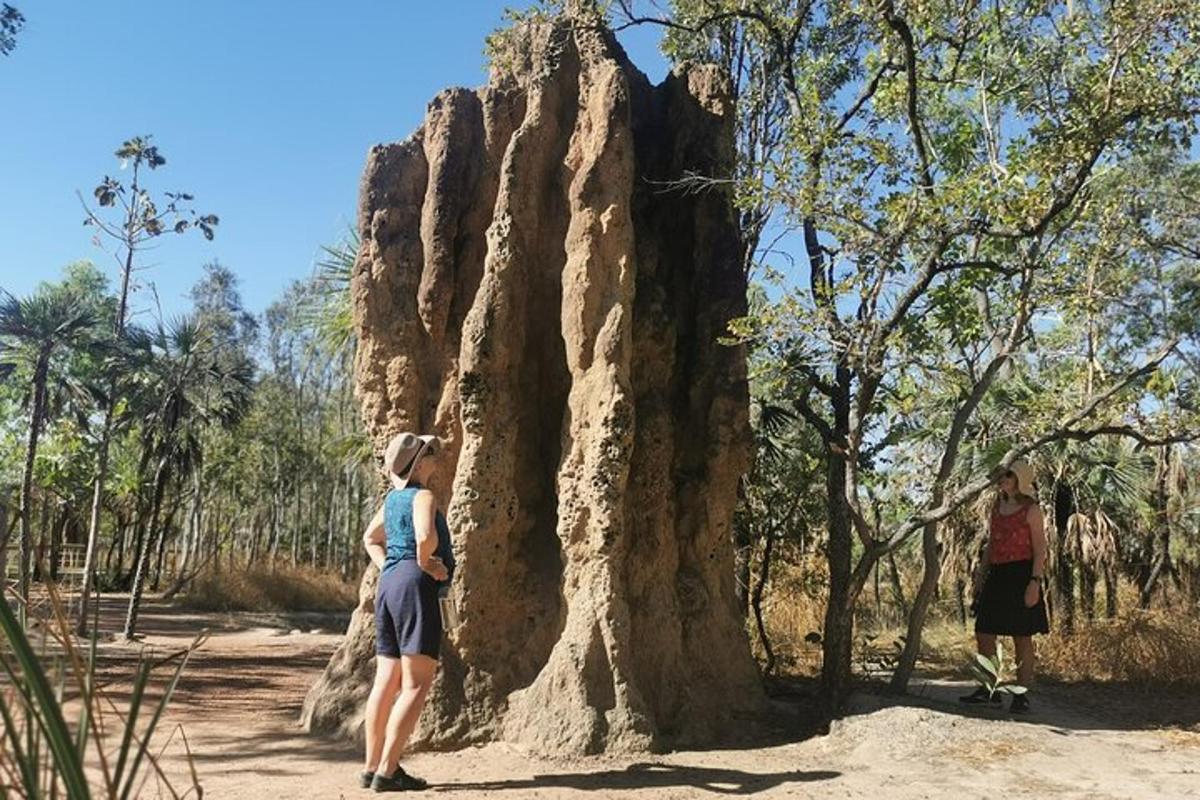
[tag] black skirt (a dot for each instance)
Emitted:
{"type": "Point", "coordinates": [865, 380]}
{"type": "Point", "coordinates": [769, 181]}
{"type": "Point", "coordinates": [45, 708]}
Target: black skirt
{"type": "Point", "coordinates": [1002, 610]}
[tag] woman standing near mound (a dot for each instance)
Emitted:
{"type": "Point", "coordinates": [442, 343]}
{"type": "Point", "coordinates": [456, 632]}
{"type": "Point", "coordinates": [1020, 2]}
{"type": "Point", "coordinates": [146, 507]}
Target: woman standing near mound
{"type": "Point", "coordinates": [409, 541]}
{"type": "Point", "coordinates": [1011, 601]}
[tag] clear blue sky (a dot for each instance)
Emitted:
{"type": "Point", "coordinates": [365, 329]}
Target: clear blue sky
{"type": "Point", "coordinates": [264, 110]}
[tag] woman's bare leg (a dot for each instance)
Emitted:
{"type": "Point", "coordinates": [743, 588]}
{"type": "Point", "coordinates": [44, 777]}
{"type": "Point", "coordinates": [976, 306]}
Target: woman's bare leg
{"type": "Point", "coordinates": [379, 706]}
{"type": "Point", "coordinates": [417, 676]}
{"type": "Point", "coordinates": [986, 644]}
{"type": "Point", "coordinates": [1026, 659]}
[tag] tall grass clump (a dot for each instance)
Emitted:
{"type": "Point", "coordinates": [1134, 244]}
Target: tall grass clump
{"type": "Point", "coordinates": [42, 754]}
{"type": "Point", "coordinates": [263, 587]}
{"type": "Point", "coordinates": [1158, 648]}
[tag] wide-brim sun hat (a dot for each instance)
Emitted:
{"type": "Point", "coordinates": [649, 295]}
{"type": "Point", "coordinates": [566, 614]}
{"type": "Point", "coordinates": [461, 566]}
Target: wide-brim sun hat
{"type": "Point", "coordinates": [404, 451]}
{"type": "Point", "coordinates": [1024, 475]}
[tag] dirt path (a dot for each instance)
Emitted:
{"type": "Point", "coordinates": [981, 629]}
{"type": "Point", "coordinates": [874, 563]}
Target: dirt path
{"type": "Point", "coordinates": [240, 699]}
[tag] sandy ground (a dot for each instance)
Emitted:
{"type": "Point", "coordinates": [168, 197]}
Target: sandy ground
{"type": "Point", "coordinates": [240, 697]}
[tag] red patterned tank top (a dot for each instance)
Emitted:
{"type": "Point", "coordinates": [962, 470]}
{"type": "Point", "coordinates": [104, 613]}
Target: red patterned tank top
{"type": "Point", "coordinates": [1010, 536]}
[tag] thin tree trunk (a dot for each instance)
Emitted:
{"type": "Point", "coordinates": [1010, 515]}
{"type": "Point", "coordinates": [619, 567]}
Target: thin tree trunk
{"type": "Point", "coordinates": [1110, 592]}
{"type": "Point", "coordinates": [1161, 536]}
{"type": "Point", "coordinates": [330, 522]}
{"type": "Point", "coordinates": [897, 587]}
{"type": "Point", "coordinates": [35, 429]}
{"type": "Point", "coordinates": [191, 536]}
{"type": "Point", "coordinates": [167, 527]}
{"type": "Point", "coordinates": [93, 540]}
{"type": "Point", "coordinates": [1064, 583]}
{"type": "Point", "coordinates": [56, 541]}
{"type": "Point", "coordinates": [114, 546]}
{"type": "Point", "coordinates": [756, 598]}
{"type": "Point", "coordinates": [932, 572]}
{"type": "Point", "coordinates": [143, 556]}
{"type": "Point", "coordinates": [296, 527]}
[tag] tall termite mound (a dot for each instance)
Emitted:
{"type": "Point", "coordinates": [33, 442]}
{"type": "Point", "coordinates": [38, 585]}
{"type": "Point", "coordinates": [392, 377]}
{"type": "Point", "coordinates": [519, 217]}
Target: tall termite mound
{"type": "Point", "coordinates": [544, 281]}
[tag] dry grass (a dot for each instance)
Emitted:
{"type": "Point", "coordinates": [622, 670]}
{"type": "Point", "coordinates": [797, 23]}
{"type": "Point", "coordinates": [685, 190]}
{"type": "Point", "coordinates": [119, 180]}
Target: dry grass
{"type": "Point", "coordinates": [1157, 648]}
{"type": "Point", "coordinates": [793, 607]}
{"type": "Point", "coordinates": [1149, 647]}
{"type": "Point", "coordinates": [267, 588]}
{"type": "Point", "coordinates": [988, 752]}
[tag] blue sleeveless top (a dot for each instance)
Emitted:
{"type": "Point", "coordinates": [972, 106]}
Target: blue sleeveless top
{"type": "Point", "coordinates": [401, 537]}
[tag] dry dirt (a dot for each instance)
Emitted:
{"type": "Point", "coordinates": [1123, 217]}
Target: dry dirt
{"type": "Point", "coordinates": [240, 698]}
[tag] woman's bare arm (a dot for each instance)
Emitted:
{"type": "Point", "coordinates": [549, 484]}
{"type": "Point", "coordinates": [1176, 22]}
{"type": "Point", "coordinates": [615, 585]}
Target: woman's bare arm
{"type": "Point", "coordinates": [425, 531]}
{"type": "Point", "coordinates": [1037, 531]}
{"type": "Point", "coordinates": [375, 539]}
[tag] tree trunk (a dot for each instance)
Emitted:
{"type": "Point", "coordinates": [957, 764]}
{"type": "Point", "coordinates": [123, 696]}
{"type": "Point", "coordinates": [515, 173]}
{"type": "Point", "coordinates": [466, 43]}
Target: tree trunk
{"type": "Point", "coordinates": [558, 324]}
{"type": "Point", "coordinates": [56, 541]}
{"type": "Point", "coordinates": [897, 586]}
{"type": "Point", "coordinates": [1110, 591]}
{"type": "Point", "coordinates": [35, 428]}
{"type": "Point", "coordinates": [144, 550]}
{"type": "Point", "coordinates": [1064, 583]}
{"type": "Point", "coordinates": [1160, 544]}
{"type": "Point", "coordinates": [122, 527]}
{"type": "Point", "coordinates": [1087, 591]}
{"type": "Point", "coordinates": [931, 556]}
{"type": "Point", "coordinates": [837, 637]}
{"type": "Point", "coordinates": [764, 573]}
{"type": "Point", "coordinates": [93, 540]}
{"type": "Point", "coordinates": [167, 528]}
{"type": "Point", "coordinates": [297, 527]}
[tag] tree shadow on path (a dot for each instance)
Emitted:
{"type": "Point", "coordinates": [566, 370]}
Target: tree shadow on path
{"type": "Point", "coordinates": [653, 776]}
{"type": "Point", "coordinates": [1062, 707]}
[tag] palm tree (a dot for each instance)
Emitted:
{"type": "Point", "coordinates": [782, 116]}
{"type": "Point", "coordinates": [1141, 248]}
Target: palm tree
{"type": "Point", "coordinates": [32, 332]}
{"type": "Point", "coordinates": [185, 388]}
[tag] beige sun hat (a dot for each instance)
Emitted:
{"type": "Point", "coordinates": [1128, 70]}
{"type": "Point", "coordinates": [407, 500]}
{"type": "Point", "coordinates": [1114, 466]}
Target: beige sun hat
{"type": "Point", "coordinates": [1024, 475]}
{"type": "Point", "coordinates": [404, 451]}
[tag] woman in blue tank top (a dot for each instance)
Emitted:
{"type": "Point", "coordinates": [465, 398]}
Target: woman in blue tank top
{"type": "Point", "coordinates": [409, 541]}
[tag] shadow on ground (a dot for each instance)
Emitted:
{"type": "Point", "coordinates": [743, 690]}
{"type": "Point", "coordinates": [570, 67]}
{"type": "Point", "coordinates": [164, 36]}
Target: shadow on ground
{"type": "Point", "coordinates": [1064, 707]}
{"type": "Point", "coordinates": [653, 776]}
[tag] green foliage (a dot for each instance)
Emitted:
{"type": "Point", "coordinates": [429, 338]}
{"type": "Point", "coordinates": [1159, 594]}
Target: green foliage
{"type": "Point", "coordinates": [11, 22]}
{"type": "Point", "coordinates": [991, 674]}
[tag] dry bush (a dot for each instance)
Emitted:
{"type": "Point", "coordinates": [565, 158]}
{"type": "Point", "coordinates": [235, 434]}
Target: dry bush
{"type": "Point", "coordinates": [1146, 647]}
{"type": "Point", "coordinates": [262, 587]}
{"type": "Point", "coordinates": [793, 608]}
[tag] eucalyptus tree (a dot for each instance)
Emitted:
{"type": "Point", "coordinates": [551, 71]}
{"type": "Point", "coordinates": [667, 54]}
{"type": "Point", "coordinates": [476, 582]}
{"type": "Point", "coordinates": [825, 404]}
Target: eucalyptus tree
{"type": "Point", "coordinates": [938, 159]}
{"type": "Point", "coordinates": [33, 332]}
{"type": "Point", "coordinates": [127, 219]}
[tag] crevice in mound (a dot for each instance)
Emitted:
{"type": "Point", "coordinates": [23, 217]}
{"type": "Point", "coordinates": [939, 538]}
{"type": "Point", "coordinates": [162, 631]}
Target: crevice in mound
{"type": "Point", "coordinates": [536, 550]}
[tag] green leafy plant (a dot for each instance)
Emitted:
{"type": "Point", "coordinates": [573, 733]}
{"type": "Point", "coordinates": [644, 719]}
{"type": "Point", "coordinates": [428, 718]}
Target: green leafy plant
{"type": "Point", "coordinates": [990, 674]}
{"type": "Point", "coordinates": [39, 754]}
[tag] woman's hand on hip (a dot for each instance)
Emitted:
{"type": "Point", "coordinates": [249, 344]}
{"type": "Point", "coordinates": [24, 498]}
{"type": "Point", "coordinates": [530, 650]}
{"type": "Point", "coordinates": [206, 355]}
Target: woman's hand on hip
{"type": "Point", "coordinates": [436, 569]}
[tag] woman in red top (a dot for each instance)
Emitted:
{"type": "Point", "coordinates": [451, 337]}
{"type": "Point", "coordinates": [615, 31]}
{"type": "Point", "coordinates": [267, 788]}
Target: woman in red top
{"type": "Point", "coordinates": [1011, 602]}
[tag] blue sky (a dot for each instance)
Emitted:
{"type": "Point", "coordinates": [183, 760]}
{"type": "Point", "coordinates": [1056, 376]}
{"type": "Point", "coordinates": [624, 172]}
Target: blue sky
{"type": "Point", "coordinates": [264, 110]}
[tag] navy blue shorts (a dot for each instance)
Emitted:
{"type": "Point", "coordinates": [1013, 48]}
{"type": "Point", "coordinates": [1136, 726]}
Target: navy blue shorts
{"type": "Point", "coordinates": [408, 620]}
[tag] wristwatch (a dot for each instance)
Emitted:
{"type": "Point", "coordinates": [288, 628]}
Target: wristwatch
{"type": "Point", "coordinates": [1038, 579]}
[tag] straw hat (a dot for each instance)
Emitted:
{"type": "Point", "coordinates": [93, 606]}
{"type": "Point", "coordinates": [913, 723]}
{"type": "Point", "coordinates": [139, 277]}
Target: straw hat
{"type": "Point", "coordinates": [403, 452]}
{"type": "Point", "coordinates": [1024, 475]}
